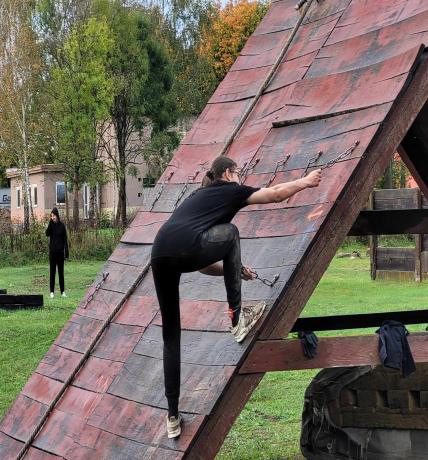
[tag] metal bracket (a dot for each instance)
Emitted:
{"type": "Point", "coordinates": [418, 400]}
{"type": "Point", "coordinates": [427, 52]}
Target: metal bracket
{"type": "Point", "coordinates": [270, 283]}
{"type": "Point", "coordinates": [246, 170]}
{"type": "Point", "coordinates": [278, 164]}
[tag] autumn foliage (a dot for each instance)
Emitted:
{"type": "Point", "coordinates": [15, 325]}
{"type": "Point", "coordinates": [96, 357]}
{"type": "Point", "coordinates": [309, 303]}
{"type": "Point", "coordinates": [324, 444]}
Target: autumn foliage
{"type": "Point", "coordinates": [228, 32]}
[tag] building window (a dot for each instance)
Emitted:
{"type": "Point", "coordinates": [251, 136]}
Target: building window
{"type": "Point", "coordinates": [148, 181]}
{"type": "Point", "coordinates": [60, 193]}
{"type": "Point", "coordinates": [18, 197]}
{"type": "Point", "coordinates": [35, 196]}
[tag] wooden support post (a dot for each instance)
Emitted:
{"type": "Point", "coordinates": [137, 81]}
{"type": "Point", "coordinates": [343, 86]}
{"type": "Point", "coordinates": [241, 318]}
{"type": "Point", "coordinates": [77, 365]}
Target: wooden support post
{"type": "Point", "coordinates": [287, 355]}
{"type": "Point", "coordinates": [373, 241]}
{"type": "Point", "coordinates": [418, 241]}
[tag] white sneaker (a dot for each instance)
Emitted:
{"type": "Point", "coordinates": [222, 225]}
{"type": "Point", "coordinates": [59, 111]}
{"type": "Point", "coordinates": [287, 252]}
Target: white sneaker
{"type": "Point", "coordinates": [63, 294]}
{"type": "Point", "coordinates": [173, 426]}
{"type": "Point", "coordinates": [247, 319]}
{"type": "Point", "coordinates": [52, 295]}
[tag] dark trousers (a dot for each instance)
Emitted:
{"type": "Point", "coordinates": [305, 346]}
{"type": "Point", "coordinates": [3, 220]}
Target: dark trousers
{"type": "Point", "coordinates": [218, 243]}
{"type": "Point", "coordinates": [56, 259]}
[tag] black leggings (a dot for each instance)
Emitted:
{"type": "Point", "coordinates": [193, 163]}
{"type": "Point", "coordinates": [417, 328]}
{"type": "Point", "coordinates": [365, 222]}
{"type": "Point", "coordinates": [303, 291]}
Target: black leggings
{"type": "Point", "coordinates": [218, 243]}
{"type": "Point", "coordinates": [56, 259]}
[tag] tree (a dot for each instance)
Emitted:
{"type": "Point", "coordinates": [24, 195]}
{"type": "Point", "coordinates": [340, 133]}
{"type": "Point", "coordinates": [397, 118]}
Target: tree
{"type": "Point", "coordinates": [143, 107]}
{"type": "Point", "coordinates": [226, 36]}
{"type": "Point", "coordinates": [82, 94]}
{"type": "Point", "coordinates": [20, 83]}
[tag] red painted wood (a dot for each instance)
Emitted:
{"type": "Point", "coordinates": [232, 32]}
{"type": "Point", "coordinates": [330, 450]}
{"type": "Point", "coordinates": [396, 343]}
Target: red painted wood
{"type": "Point", "coordinates": [185, 155]}
{"type": "Point", "coordinates": [223, 116]}
{"type": "Point", "coordinates": [312, 36]}
{"type": "Point", "coordinates": [366, 16]}
{"type": "Point", "coordinates": [137, 255]}
{"type": "Point", "coordinates": [78, 333]}
{"type": "Point", "coordinates": [141, 380]}
{"type": "Point", "coordinates": [370, 48]}
{"type": "Point", "coordinates": [138, 311]}
{"type": "Point", "coordinates": [141, 423]}
{"type": "Point", "coordinates": [361, 88]}
{"type": "Point", "coordinates": [42, 389]}
{"type": "Point", "coordinates": [97, 375]}
{"type": "Point", "coordinates": [9, 447]}
{"type": "Point", "coordinates": [324, 9]}
{"type": "Point", "coordinates": [144, 227]}
{"type": "Point", "coordinates": [239, 85]}
{"type": "Point", "coordinates": [281, 355]}
{"type": "Point", "coordinates": [120, 276]}
{"type": "Point", "coordinates": [281, 16]}
{"type": "Point", "coordinates": [78, 402]}
{"type": "Point", "coordinates": [58, 363]}
{"type": "Point", "coordinates": [101, 305]}
{"type": "Point", "coordinates": [22, 418]}
{"type": "Point", "coordinates": [117, 342]}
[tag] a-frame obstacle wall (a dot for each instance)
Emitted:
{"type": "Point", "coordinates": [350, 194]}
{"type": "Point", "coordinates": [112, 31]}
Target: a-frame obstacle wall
{"type": "Point", "coordinates": [351, 79]}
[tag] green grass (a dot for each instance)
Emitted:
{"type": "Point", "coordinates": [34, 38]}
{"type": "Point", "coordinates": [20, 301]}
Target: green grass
{"type": "Point", "coordinates": [26, 335]}
{"type": "Point", "coordinates": [269, 426]}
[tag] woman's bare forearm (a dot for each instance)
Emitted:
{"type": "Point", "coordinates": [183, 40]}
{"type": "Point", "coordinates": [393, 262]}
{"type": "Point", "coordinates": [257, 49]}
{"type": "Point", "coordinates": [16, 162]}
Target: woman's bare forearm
{"type": "Point", "coordinates": [287, 189]}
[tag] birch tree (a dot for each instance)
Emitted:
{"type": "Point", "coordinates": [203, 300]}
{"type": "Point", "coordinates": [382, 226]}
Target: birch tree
{"type": "Point", "coordinates": [20, 71]}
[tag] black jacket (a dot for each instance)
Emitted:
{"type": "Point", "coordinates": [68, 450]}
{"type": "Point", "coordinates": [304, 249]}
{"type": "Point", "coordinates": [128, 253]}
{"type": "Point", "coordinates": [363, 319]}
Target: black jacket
{"type": "Point", "coordinates": [58, 241]}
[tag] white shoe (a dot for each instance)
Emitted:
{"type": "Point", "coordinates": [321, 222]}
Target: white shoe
{"type": "Point", "coordinates": [247, 319]}
{"type": "Point", "coordinates": [52, 295]}
{"type": "Point", "coordinates": [173, 426]}
{"type": "Point", "coordinates": [63, 294]}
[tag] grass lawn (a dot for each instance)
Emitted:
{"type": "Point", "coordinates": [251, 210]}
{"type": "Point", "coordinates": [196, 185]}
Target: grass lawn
{"type": "Point", "coordinates": [269, 426]}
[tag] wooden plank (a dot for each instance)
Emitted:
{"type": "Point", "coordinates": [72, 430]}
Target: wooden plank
{"type": "Point", "coordinates": [22, 418]}
{"type": "Point", "coordinates": [395, 194]}
{"type": "Point", "coordinates": [347, 208]}
{"type": "Point", "coordinates": [286, 355]}
{"type": "Point", "coordinates": [58, 363]}
{"type": "Point", "coordinates": [400, 259]}
{"type": "Point", "coordinates": [78, 333]}
{"type": "Point", "coordinates": [8, 300]}
{"type": "Point", "coordinates": [138, 311]}
{"type": "Point", "coordinates": [369, 48]}
{"type": "Point", "coordinates": [418, 242]}
{"type": "Point", "coordinates": [321, 10]}
{"type": "Point", "coordinates": [120, 276]}
{"type": "Point", "coordinates": [364, 17]}
{"type": "Point", "coordinates": [42, 389]}
{"type": "Point", "coordinates": [117, 342]}
{"type": "Point", "coordinates": [371, 86]}
{"type": "Point", "coordinates": [280, 16]}
{"type": "Point", "coordinates": [9, 447]}
{"type": "Point", "coordinates": [148, 423]}
{"type": "Point", "coordinates": [131, 254]}
{"type": "Point", "coordinates": [357, 321]}
{"type": "Point", "coordinates": [197, 347]}
{"type": "Point", "coordinates": [373, 242]}
{"type": "Point", "coordinates": [97, 374]}
{"type": "Point", "coordinates": [79, 402]}
{"type": "Point", "coordinates": [391, 222]}
{"type": "Point", "coordinates": [83, 442]}
{"type": "Point", "coordinates": [142, 380]}
{"type": "Point", "coordinates": [100, 304]}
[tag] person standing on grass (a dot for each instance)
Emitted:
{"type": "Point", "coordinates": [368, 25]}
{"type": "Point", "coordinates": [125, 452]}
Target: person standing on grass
{"type": "Point", "coordinates": [199, 237]}
{"type": "Point", "coordinates": [58, 250]}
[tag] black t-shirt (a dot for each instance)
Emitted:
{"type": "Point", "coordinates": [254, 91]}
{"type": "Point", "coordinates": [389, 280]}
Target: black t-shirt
{"type": "Point", "coordinates": [204, 208]}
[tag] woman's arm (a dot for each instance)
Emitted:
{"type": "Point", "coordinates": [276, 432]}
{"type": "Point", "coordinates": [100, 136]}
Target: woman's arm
{"type": "Point", "coordinates": [66, 254]}
{"type": "Point", "coordinates": [281, 192]}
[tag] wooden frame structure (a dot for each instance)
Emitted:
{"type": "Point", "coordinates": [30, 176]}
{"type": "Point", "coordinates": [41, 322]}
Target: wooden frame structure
{"type": "Point", "coordinates": [338, 86]}
{"type": "Point", "coordinates": [404, 211]}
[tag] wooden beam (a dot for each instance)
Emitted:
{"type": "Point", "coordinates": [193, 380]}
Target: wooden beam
{"type": "Point", "coordinates": [3, 291]}
{"type": "Point", "coordinates": [339, 322]}
{"type": "Point", "coordinates": [414, 150]}
{"type": "Point", "coordinates": [287, 355]}
{"type": "Point", "coordinates": [391, 222]}
{"type": "Point", "coordinates": [21, 300]}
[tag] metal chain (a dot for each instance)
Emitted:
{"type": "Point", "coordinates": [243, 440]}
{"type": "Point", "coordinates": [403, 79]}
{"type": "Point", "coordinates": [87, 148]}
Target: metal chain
{"type": "Point", "coordinates": [278, 164]}
{"type": "Point", "coordinates": [265, 281]}
{"type": "Point", "coordinates": [314, 160]}
{"type": "Point", "coordinates": [246, 170]}
{"type": "Point", "coordinates": [97, 288]}
{"type": "Point", "coordinates": [161, 189]}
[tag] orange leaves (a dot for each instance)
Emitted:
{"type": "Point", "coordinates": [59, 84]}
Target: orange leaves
{"type": "Point", "coordinates": [229, 30]}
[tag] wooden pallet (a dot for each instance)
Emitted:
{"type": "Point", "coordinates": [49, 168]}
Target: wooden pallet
{"type": "Point", "coordinates": [354, 75]}
{"type": "Point", "coordinates": [20, 301]}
